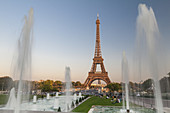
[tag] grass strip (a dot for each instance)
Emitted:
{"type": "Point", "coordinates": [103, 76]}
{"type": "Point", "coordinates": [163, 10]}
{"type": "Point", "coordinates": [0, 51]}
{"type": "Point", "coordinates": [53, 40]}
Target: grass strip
{"type": "Point", "coordinates": [85, 106]}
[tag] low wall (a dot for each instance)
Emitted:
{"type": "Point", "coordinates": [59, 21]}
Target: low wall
{"type": "Point", "coordinates": [12, 111]}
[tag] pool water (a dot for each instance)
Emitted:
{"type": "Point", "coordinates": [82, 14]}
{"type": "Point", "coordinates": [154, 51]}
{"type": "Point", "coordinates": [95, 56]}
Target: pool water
{"type": "Point", "coordinates": [114, 109]}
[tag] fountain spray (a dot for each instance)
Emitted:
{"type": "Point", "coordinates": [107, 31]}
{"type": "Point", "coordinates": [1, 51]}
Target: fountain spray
{"type": "Point", "coordinates": [125, 78]}
{"type": "Point", "coordinates": [148, 49]}
{"type": "Point", "coordinates": [67, 88]}
{"type": "Point", "coordinates": [23, 59]}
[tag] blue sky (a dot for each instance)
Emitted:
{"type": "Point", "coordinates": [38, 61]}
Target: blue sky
{"type": "Point", "coordinates": [64, 34]}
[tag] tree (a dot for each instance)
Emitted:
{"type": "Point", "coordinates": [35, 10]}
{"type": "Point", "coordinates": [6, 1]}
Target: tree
{"type": "Point", "coordinates": [73, 83]}
{"type": "Point", "coordinates": [56, 89]}
{"type": "Point", "coordinates": [131, 84]}
{"type": "Point", "coordinates": [58, 83]}
{"type": "Point", "coordinates": [147, 84]}
{"type": "Point", "coordinates": [34, 85]}
{"type": "Point", "coordinates": [114, 87]}
{"type": "Point", "coordinates": [6, 83]}
{"type": "Point", "coordinates": [47, 85]}
{"type": "Point", "coordinates": [165, 81]}
{"type": "Point", "coordinates": [78, 83]}
{"type": "Point", "coordinates": [40, 84]}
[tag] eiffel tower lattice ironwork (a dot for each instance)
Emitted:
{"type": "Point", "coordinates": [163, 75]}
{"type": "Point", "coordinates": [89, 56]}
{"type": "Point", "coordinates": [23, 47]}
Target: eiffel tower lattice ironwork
{"type": "Point", "coordinates": [97, 60]}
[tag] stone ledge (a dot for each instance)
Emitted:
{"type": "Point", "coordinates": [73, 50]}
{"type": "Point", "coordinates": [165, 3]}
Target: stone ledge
{"type": "Point", "coordinates": [22, 111]}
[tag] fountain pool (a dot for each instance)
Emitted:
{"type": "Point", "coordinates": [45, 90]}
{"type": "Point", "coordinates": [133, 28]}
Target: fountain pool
{"type": "Point", "coordinates": [46, 104]}
{"type": "Point", "coordinates": [114, 109]}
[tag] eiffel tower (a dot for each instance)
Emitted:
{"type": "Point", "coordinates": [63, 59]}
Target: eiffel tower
{"type": "Point", "coordinates": [97, 60]}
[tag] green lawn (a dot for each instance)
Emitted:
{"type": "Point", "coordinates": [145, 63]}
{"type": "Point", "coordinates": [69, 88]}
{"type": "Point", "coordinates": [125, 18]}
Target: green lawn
{"type": "Point", "coordinates": [85, 106]}
{"type": "Point", "coordinates": [3, 99]}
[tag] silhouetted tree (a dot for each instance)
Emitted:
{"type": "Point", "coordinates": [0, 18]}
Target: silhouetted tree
{"type": "Point", "coordinates": [147, 84]}
{"type": "Point", "coordinates": [59, 109]}
{"type": "Point", "coordinates": [6, 83]}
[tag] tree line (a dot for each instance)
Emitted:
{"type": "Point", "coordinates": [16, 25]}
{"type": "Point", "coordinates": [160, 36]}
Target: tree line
{"type": "Point", "coordinates": [147, 85]}
{"type": "Point", "coordinates": [6, 83]}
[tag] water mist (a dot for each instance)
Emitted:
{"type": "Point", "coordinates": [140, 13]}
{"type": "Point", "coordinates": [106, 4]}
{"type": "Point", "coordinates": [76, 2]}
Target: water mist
{"type": "Point", "coordinates": [148, 49]}
{"type": "Point", "coordinates": [125, 80]}
{"type": "Point", "coordinates": [22, 69]}
{"type": "Point", "coordinates": [67, 88]}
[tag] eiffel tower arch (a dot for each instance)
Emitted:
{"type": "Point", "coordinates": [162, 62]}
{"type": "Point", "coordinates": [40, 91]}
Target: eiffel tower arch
{"type": "Point", "coordinates": [97, 60]}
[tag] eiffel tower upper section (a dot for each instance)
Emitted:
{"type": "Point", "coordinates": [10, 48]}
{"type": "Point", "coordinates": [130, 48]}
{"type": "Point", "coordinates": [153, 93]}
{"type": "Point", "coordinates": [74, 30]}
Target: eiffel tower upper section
{"type": "Point", "coordinates": [97, 46]}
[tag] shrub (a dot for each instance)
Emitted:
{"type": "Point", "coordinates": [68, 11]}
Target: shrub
{"type": "Point", "coordinates": [86, 96]}
{"type": "Point", "coordinates": [80, 100]}
{"type": "Point", "coordinates": [59, 109]}
{"type": "Point", "coordinates": [77, 102]}
{"type": "Point", "coordinates": [72, 105]}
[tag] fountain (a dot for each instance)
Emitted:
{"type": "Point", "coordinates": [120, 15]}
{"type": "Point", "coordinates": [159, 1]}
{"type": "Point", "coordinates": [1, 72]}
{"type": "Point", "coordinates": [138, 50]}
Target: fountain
{"type": "Point", "coordinates": [22, 66]}
{"type": "Point", "coordinates": [11, 100]}
{"type": "Point", "coordinates": [148, 49]}
{"type": "Point", "coordinates": [125, 80]}
{"type": "Point", "coordinates": [56, 95]}
{"type": "Point", "coordinates": [56, 104]}
{"type": "Point", "coordinates": [48, 96]}
{"type": "Point", "coordinates": [34, 99]}
{"type": "Point", "coordinates": [48, 103]}
{"type": "Point", "coordinates": [79, 94]}
{"type": "Point", "coordinates": [75, 96]}
{"type": "Point", "coordinates": [22, 71]}
{"type": "Point", "coordinates": [67, 88]}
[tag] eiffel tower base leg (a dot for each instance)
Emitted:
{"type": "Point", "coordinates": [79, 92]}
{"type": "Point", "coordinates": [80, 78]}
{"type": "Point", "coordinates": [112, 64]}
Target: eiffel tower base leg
{"type": "Point", "coordinates": [96, 76]}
